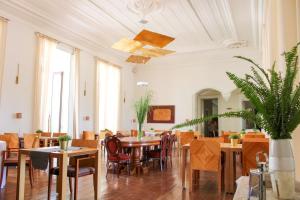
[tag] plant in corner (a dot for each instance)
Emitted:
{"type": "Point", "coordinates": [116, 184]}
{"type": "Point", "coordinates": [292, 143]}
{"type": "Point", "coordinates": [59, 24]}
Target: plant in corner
{"type": "Point", "coordinates": [276, 98]}
{"type": "Point", "coordinates": [64, 142]}
{"type": "Point", "coordinates": [141, 107]}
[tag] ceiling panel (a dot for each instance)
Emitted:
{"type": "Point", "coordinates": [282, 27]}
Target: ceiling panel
{"type": "Point", "coordinates": [197, 25]}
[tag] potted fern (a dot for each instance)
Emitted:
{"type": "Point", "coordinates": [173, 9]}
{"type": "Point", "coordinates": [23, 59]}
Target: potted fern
{"type": "Point", "coordinates": [141, 109]}
{"type": "Point", "coordinates": [276, 98]}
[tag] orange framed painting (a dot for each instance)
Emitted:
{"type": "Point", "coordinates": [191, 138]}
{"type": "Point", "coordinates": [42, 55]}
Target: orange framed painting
{"type": "Point", "coordinates": [161, 114]}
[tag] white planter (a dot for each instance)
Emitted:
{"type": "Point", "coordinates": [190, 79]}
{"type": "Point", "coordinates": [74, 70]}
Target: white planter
{"type": "Point", "coordinates": [282, 169]}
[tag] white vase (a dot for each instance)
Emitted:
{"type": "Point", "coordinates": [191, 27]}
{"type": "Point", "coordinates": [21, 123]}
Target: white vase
{"type": "Point", "coordinates": [282, 169]}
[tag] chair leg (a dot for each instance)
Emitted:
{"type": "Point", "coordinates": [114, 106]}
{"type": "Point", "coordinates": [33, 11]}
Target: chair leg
{"type": "Point", "coordinates": [1, 174]}
{"type": "Point", "coordinates": [171, 161]}
{"type": "Point", "coordinates": [128, 168]}
{"type": "Point", "coordinates": [118, 172]}
{"type": "Point", "coordinates": [94, 183]}
{"type": "Point", "coordinates": [191, 181]}
{"type": "Point", "coordinates": [30, 175]}
{"type": "Point", "coordinates": [70, 185]}
{"type": "Point", "coordinates": [220, 181]}
{"type": "Point", "coordinates": [49, 186]}
{"type": "Point", "coordinates": [76, 188]}
{"type": "Point", "coordinates": [161, 166]}
{"type": "Point", "coordinates": [6, 174]}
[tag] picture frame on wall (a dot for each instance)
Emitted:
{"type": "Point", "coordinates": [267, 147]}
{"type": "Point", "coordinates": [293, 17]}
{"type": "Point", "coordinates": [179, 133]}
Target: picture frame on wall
{"type": "Point", "coordinates": [161, 114]}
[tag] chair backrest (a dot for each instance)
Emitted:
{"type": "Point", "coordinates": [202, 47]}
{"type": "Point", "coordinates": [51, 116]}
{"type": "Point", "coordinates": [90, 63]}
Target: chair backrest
{"type": "Point", "coordinates": [164, 145]}
{"type": "Point", "coordinates": [134, 133]}
{"type": "Point", "coordinates": [254, 135]}
{"type": "Point", "coordinates": [31, 140]}
{"type": "Point", "coordinates": [120, 134]}
{"type": "Point", "coordinates": [59, 134]}
{"type": "Point", "coordinates": [46, 134]}
{"type": "Point", "coordinates": [88, 135]}
{"type": "Point", "coordinates": [251, 146]}
{"type": "Point", "coordinates": [186, 137]}
{"type": "Point", "coordinates": [113, 145]}
{"type": "Point", "coordinates": [85, 143]}
{"type": "Point", "coordinates": [226, 134]}
{"type": "Point", "coordinates": [172, 139]}
{"type": "Point", "coordinates": [205, 155]}
{"type": "Point", "coordinates": [14, 140]}
{"type": "Point", "coordinates": [5, 138]}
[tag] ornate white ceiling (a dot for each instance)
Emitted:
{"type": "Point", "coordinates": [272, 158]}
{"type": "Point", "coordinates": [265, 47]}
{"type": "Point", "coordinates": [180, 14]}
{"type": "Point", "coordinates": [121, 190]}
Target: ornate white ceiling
{"type": "Point", "coordinates": [197, 25]}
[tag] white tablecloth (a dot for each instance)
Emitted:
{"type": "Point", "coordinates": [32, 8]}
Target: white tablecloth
{"type": "Point", "coordinates": [2, 148]}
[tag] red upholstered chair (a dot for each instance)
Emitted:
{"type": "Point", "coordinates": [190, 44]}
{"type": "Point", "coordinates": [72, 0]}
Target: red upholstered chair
{"type": "Point", "coordinates": [115, 156]}
{"type": "Point", "coordinates": [161, 153]}
{"type": "Point", "coordinates": [171, 142]}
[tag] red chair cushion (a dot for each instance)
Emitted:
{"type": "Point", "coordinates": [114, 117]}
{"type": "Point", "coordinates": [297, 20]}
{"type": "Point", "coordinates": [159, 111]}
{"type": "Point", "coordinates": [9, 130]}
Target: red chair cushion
{"type": "Point", "coordinates": [122, 157]}
{"type": "Point", "coordinates": [154, 153]}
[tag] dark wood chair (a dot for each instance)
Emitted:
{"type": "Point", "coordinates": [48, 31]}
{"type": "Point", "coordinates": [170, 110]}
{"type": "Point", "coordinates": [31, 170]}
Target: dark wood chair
{"type": "Point", "coordinates": [160, 154]}
{"type": "Point", "coordinates": [171, 142]}
{"type": "Point", "coordinates": [10, 157]}
{"type": "Point", "coordinates": [115, 156]}
{"type": "Point", "coordinates": [79, 166]}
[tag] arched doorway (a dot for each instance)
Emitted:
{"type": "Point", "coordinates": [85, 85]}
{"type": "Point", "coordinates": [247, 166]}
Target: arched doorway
{"type": "Point", "coordinates": [207, 104]}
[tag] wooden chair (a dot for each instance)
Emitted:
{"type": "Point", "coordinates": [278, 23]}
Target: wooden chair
{"type": "Point", "coordinates": [14, 140]}
{"type": "Point", "coordinates": [79, 166]}
{"type": "Point", "coordinates": [31, 140]}
{"type": "Point", "coordinates": [161, 153]}
{"type": "Point", "coordinates": [205, 155]}
{"type": "Point", "coordinates": [171, 142]}
{"type": "Point", "coordinates": [254, 135]}
{"type": "Point", "coordinates": [88, 135]}
{"type": "Point", "coordinates": [226, 134]}
{"type": "Point", "coordinates": [250, 147]}
{"type": "Point", "coordinates": [185, 138]}
{"type": "Point", "coordinates": [115, 156]}
{"type": "Point", "coordinates": [46, 134]}
{"type": "Point", "coordinates": [10, 157]}
{"type": "Point", "coordinates": [134, 133]}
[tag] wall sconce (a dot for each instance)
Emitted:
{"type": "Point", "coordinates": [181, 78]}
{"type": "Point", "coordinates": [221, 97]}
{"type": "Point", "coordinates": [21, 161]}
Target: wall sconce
{"type": "Point", "coordinates": [18, 73]}
{"type": "Point", "coordinates": [18, 115]}
{"type": "Point", "coordinates": [84, 91]}
{"type": "Point", "coordinates": [86, 118]}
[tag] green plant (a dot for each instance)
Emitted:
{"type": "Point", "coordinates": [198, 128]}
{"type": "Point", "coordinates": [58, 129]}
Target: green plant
{"type": "Point", "coordinates": [64, 138]}
{"type": "Point", "coordinates": [191, 130]}
{"type": "Point", "coordinates": [151, 129]}
{"type": "Point", "coordinates": [275, 97]}
{"type": "Point", "coordinates": [39, 131]}
{"type": "Point", "coordinates": [141, 109]}
{"type": "Point", "coordinates": [234, 136]}
{"type": "Point", "coordinates": [243, 132]}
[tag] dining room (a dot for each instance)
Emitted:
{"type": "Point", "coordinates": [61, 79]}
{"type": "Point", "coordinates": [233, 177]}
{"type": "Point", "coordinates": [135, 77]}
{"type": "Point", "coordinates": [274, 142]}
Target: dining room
{"type": "Point", "coordinates": [149, 99]}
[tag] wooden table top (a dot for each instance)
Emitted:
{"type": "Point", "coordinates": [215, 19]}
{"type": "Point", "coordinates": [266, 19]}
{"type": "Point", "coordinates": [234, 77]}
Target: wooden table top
{"type": "Point", "coordinates": [144, 141]}
{"type": "Point", "coordinates": [83, 150]}
{"type": "Point", "coordinates": [223, 146]}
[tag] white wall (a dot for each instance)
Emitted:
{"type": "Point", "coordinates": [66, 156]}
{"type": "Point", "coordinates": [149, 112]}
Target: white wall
{"type": "Point", "coordinates": [177, 83]}
{"type": "Point", "coordinates": [20, 48]}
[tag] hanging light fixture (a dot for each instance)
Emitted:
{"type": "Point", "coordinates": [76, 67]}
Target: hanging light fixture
{"type": "Point", "coordinates": [144, 8]}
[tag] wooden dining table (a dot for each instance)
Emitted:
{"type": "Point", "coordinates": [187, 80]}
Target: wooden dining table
{"type": "Point", "coordinates": [136, 145]}
{"type": "Point", "coordinates": [230, 165]}
{"type": "Point", "coordinates": [63, 157]}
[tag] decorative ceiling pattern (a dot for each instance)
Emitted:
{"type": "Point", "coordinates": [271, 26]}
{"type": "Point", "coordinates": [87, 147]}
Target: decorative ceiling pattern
{"type": "Point", "coordinates": [197, 25]}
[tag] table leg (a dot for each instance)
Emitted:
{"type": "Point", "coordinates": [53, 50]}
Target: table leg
{"type": "Point", "coordinates": [136, 160]}
{"type": "Point", "coordinates": [21, 177]}
{"type": "Point", "coordinates": [183, 166]}
{"type": "Point", "coordinates": [62, 178]}
{"type": "Point", "coordinates": [98, 175]}
{"type": "Point", "coordinates": [229, 171]}
{"type": "Point", "coordinates": [45, 142]}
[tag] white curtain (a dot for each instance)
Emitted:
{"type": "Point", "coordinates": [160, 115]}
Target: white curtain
{"type": "Point", "coordinates": [107, 96]}
{"type": "Point", "coordinates": [44, 56]}
{"type": "Point", "coordinates": [74, 94]}
{"type": "Point", "coordinates": [281, 31]}
{"type": "Point", "coordinates": [3, 30]}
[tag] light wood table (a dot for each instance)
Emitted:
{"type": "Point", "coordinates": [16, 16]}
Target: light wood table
{"type": "Point", "coordinates": [63, 157]}
{"type": "Point", "coordinates": [136, 145]}
{"type": "Point", "coordinates": [230, 167]}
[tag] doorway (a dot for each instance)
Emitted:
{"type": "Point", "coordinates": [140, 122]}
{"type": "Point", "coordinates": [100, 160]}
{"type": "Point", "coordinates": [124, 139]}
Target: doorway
{"type": "Point", "coordinates": [210, 107]}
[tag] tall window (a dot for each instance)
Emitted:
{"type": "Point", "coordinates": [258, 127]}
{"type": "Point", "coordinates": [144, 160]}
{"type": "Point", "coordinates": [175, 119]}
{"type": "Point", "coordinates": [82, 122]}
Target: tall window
{"type": "Point", "coordinates": [108, 96]}
{"type": "Point", "coordinates": [58, 91]}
